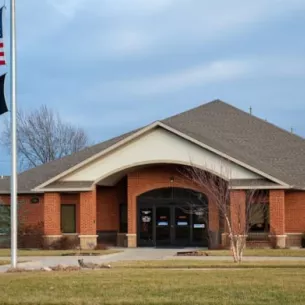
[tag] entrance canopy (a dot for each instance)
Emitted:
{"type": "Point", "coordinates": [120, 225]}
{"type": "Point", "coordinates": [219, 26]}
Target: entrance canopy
{"type": "Point", "coordinates": [156, 146]}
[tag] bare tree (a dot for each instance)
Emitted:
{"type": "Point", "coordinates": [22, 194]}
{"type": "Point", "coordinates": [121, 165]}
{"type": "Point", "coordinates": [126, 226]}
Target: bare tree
{"type": "Point", "coordinates": [237, 214]}
{"type": "Point", "coordinates": [44, 137]}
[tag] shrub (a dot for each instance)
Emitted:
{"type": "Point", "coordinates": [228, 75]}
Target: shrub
{"type": "Point", "coordinates": [31, 236]}
{"type": "Point", "coordinates": [65, 243]}
{"type": "Point", "coordinates": [101, 247]}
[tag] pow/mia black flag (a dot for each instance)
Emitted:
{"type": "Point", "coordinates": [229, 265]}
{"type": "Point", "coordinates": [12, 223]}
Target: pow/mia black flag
{"type": "Point", "coordinates": [3, 107]}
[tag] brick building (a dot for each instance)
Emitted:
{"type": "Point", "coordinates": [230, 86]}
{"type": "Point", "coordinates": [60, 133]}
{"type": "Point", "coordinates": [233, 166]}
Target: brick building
{"type": "Point", "coordinates": [130, 190]}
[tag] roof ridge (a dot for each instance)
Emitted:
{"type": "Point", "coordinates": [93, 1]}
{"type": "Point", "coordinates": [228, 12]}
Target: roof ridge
{"type": "Point", "coordinates": [193, 109]}
{"type": "Point", "coordinates": [262, 120]}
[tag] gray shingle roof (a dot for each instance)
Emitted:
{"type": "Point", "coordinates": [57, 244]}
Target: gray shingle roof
{"type": "Point", "coordinates": [247, 138]}
{"type": "Point", "coordinates": [31, 178]}
{"type": "Point", "coordinates": [69, 185]}
{"type": "Point", "coordinates": [236, 133]}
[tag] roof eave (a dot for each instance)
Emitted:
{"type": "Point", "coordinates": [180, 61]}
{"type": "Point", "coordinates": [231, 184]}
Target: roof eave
{"type": "Point", "coordinates": [260, 187]}
{"type": "Point", "coordinates": [174, 131]}
{"type": "Point", "coordinates": [80, 189]}
{"type": "Point", "coordinates": [109, 149]}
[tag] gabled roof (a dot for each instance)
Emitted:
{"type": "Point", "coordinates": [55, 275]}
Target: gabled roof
{"type": "Point", "coordinates": [247, 138]}
{"type": "Point", "coordinates": [221, 126]}
{"type": "Point", "coordinates": [29, 179]}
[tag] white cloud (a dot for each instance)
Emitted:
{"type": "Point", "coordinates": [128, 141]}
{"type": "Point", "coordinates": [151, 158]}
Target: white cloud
{"type": "Point", "coordinates": [70, 8]}
{"type": "Point", "coordinates": [201, 75]}
{"type": "Point", "coordinates": [121, 43]}
{"type": "Point", "coordinates": [141, 27]}
{"type": "Point", "coordinates": [67, 7]}
{"type": "Point", "coordinates": [214, 72]}
{"type": "Point", "coordinates": [219, 71]}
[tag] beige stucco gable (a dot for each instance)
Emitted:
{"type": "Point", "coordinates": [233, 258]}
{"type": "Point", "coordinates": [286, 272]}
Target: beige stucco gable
{"type": "Point", "coordinates": [157, 145]}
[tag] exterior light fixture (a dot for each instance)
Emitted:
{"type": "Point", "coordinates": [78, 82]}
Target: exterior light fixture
{"type": "Point", "coordinates": [171, 179]}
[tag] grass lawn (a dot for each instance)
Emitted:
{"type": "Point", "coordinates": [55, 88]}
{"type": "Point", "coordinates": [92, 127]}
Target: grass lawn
{"type": "Point", "coordinates": [7, 252]}
{"type": "Point", "coordinates": [204, 264]}
{"type": "Point", "coordinates": [261, 252]}
{"type": "Point", "coordinates": [156, 286]}
{"type": "Point", "coordinates": [248, 252]}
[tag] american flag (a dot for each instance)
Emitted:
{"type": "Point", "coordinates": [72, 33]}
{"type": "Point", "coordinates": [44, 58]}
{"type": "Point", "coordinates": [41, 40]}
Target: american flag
{"type": "Point", "coordinates": [2, 54]}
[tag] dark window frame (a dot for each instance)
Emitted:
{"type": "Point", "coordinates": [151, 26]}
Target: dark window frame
{"type": "Point", "coordinates": [5, 222]}
{"type": "Point", "coordinates": [61, 218]}
{"type": "Point", "coordinates": [266, 223]}
{"type": "Point", "coordinates": [123, 219]}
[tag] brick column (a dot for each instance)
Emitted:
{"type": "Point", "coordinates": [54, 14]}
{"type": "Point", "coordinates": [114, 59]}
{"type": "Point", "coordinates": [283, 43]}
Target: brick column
{"type": "Point", "coordinates": [213, 225]}
{"type": "Point", "coordinates": [277, 217]}
{"type": "Point", "coordinates": [238, 211]}
{"type": "Point", "coordinates": [132, 211]}
{"type": "Point", "coordinates": [51, 217]}
{"type": "Point", "coordinates": [87, 209]}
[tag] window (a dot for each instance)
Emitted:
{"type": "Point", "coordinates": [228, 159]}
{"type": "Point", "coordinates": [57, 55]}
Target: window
{"type": "Point", "coordinates": [5, 217]}
{"type": "Point", "coordinates": [123, 218]}
{"type": "Point", "coordinates": [68, 218]}
{"type": "Point", "coordinates": [259, 218]}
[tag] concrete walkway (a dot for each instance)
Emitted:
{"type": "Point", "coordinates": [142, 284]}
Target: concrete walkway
{"type": "Point", "coordinates": [37, 262]}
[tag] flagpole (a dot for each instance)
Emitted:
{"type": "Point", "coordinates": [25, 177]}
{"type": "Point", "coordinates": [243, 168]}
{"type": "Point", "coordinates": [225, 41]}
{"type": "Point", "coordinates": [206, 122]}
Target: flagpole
{"type": "Point", "coordinates": [14, 139]}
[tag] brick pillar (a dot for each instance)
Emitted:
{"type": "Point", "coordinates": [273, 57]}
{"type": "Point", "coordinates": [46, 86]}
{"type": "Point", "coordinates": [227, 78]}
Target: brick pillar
{"type": "Point", "coordinates": [51, 217]}
{"type": "Point", "coordinates": [87, 209]}
{"type": "Point", "coordinates": [213, 225]}
{"type": "Point", "coordinates": [238, 211]}
{"type": "Point", "coordinates": [277, 217]}
{"type": "Point", "coordinates": [132, 211]}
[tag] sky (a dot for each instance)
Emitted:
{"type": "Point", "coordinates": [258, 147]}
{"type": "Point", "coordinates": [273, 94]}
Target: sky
{"type": "Point", "coordinates": [111, 66]}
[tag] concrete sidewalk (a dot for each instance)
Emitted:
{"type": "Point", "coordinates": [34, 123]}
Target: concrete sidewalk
{"type": "Point", "coordinates": [137, 254]}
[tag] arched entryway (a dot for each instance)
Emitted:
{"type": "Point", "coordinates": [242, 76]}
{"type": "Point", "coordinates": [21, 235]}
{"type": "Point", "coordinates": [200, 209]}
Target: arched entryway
{"type": "Point", "coordinates": [172, 217]}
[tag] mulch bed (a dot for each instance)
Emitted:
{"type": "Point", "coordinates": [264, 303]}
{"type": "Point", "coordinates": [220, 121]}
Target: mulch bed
{"type": "Point", "coordinates": [192, 253]}
{"type": "Point", "coordinates": [81, 254]}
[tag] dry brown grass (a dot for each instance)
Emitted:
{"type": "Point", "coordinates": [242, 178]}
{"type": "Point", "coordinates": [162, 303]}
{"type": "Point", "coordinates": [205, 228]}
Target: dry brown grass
{"type": "Point", "coordinates": [156, 286]}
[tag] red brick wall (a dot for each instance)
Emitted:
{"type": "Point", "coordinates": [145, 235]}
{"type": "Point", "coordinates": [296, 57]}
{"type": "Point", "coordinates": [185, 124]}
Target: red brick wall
{"type": "Point", "coordinates": [213, 217]}
{"type": "Point", "coordinates": [52, 213]}
{"type": "Point", "coordinates": [49, 213]}
{"type": "Point", "coordinates": [238, 211]}
{"type": "Point", "coordinates": [88, 213]}
{"type": "Point", "coordinates": [295, 212]}
{"type": "Point", "coordinates": [107, 209]}
{"type": "Point", "coordinates": [146, 179]}
{"type": "Point", "coordinates": [277, 211]}
{"type": "Point", "coordinates": [28, 213]}
{"type": "Point", "coordinates": [108, 201]}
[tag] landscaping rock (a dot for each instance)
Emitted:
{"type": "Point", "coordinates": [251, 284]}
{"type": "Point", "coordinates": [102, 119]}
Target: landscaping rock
{"type": "Point", "coordinates": [90, 265]}
{"type": "Point", "coordinates": [65, 268]}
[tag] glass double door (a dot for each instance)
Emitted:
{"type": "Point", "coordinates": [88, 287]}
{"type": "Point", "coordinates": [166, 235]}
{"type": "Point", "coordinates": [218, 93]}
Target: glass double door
{"type": "Point", "coordinates": [172, 225]}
